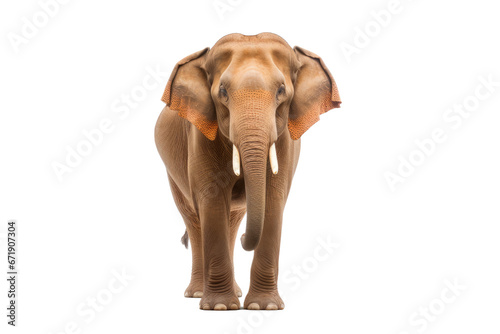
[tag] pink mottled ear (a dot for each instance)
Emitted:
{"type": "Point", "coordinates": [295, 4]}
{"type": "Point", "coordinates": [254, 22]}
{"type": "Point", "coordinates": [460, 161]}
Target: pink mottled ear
{"type": "Point", "coordinates": [315, 93]}
{"type": "Point", "coordinates": [188, 93]}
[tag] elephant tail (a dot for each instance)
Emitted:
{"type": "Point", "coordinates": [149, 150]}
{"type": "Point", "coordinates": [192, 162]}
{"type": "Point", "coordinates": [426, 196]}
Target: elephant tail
{"type": "Point", "coordinates": [185, 239]}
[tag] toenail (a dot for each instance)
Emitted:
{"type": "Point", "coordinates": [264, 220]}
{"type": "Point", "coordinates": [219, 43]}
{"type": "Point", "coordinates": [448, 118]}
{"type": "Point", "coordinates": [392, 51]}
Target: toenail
{"type": "Point", "coordinates": [272, 306]}
{"type": "Point", "coordinates": [220, 307]}
{"type": "Point", "coordinates": [254, 306]}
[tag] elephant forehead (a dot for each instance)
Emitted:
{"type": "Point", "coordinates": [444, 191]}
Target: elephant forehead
{"type": "Point", "coordinates": [238, 55]}
{"type": "Point", "coordinates": [251, 99]}
{"type": "Point", "coordinates": [262, 37]}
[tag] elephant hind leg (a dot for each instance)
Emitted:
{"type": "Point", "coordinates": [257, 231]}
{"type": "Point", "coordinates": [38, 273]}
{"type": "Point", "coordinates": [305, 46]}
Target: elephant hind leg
{"type": "Point", "coordinates": [234, 223]}
{"type": "Point", "coordinates": [192, 234]}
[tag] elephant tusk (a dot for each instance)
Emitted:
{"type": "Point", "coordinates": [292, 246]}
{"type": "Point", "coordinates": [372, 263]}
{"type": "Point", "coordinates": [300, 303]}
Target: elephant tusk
{"type": "Point", "coordinates": [273, 159]}
{"type": "Point", "coordinates": [236, 161]}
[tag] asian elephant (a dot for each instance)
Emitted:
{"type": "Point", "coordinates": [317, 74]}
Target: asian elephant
{"type": "Point", "coordinates": [229, 137]}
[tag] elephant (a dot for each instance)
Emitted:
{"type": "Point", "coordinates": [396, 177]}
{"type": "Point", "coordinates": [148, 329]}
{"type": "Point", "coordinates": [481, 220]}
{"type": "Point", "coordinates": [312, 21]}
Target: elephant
{"type": "Point", "coordinates": [229, 110]}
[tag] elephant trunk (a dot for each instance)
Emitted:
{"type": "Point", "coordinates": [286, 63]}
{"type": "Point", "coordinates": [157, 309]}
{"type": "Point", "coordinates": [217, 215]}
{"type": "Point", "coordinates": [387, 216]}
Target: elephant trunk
{"type": "Point", "coordinates": [254, 148]}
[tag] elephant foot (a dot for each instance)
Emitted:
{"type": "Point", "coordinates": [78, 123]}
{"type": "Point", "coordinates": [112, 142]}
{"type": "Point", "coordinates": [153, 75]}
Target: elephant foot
{"type": "Point", "coordinates": [263, 301]}
{"type": "Point", "coordinates": [194, 290]}
{"type": "Point", "coordinates": [219, 302]}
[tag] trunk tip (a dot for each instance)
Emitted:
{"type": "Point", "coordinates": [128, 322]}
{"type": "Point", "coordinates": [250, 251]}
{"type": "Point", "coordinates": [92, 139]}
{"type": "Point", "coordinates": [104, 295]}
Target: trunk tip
{"type": "Point", "coordinates": [246, 246]}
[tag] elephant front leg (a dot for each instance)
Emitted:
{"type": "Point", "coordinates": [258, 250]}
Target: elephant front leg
{"type": "Point", "coordinates": [219, 289]}
{"type": "Point", "coordinates": [263, 292]}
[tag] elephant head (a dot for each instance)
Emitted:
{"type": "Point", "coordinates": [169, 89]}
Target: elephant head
{"type": "Point", "coordinates": [251, 90]}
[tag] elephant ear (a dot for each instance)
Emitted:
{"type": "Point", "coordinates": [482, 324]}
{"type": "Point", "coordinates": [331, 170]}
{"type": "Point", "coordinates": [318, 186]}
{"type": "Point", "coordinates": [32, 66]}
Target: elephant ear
{"type": "Point", "coordinates": [188, 93]}
{"type": "Point", "coordinates": [315, 93]}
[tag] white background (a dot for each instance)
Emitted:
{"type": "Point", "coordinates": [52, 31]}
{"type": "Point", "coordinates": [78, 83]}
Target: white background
{"type": "Point", "coordinates": [114, 210]}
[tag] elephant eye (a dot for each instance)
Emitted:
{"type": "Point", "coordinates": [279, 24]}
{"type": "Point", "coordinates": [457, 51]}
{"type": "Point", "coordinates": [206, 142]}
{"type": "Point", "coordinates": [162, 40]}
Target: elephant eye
{"type": "Point", "coordinates": [281, 91]}
{"type": "Point", "coordinates": [223, 92]}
